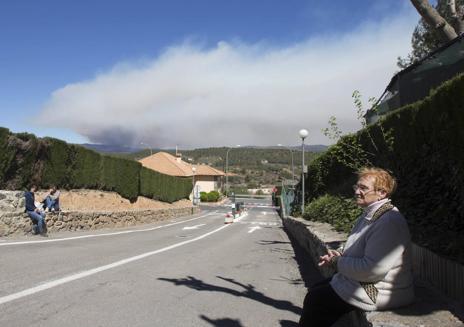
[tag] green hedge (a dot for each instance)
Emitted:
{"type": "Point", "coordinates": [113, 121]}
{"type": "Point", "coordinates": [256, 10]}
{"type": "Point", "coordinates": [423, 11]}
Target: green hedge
{"type": "Point", "coordinates": [426, 156]}
{"type": "Point", "coordinates": [86, 168]}
{"type": "Point", "coordinates": [7, 155]}
{"type": "Point", "coordinates": [25, 159]}
{"type": "Point", "coordinates": [120, 175]}
{"type": "Point", "coordinates": [57, 165]}
{"type": "Point", "coordinates": [337, 211]}
{"type": "Point", "coordinates": [163, 187]}
{"type": "Point", "coordinates": [20, 164]}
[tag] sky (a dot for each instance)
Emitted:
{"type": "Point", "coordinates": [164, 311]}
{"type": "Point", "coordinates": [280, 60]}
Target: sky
{"type": "Point", "coordinates": [195, 73]}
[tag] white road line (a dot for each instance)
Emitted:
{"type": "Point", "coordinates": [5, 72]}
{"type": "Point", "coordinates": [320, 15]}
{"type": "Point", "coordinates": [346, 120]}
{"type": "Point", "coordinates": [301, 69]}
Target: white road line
{"type": "Point", "coordinates": [252, 229]}
{"type": "Point", "coordinates": [101, 235]}
{"type": "Point", "coordinates": [193, 227]}
{"type": "Point", "coordinates": [83, 274]}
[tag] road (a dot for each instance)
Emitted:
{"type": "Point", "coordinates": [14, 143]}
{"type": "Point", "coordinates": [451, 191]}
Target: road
{"type": "Point", "coordinates": [189, 271]}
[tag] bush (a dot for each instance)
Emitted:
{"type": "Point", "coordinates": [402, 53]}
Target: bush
{"type": "Point", "coordinates": [213, 196]}
{"type": "Point", "coordinates": [337, 211]}
{"type": "Point", "coordinates": [203, 197]}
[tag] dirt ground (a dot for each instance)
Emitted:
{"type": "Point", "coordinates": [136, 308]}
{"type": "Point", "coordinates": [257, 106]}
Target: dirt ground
{"type": "Point", "coordinates": [92, 200]}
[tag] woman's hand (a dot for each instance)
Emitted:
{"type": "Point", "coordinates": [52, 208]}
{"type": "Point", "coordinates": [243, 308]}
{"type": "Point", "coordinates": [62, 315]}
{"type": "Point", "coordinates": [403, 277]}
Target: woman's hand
{"type": "Point", "coordinates": [325, 259]}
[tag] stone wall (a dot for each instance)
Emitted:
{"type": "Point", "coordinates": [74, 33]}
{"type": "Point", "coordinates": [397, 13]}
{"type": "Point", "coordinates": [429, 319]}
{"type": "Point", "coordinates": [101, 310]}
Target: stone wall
{"type": "Point", "coordinates": [13, 220]}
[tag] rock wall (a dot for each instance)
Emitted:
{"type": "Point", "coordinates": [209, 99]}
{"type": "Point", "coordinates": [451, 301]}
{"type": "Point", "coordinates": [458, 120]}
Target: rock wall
{"type": "Point", "coordinates": [13, 220]}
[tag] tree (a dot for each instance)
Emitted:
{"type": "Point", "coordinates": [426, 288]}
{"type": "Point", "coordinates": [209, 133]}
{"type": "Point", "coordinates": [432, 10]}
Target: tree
{"type": "Point", "coordinates": [438, 25]}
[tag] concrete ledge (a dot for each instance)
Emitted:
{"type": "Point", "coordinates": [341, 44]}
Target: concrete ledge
{"type": "Point", "coordinates": [18, 223]}
{"type": "Point", "coordinates": [431, 308]}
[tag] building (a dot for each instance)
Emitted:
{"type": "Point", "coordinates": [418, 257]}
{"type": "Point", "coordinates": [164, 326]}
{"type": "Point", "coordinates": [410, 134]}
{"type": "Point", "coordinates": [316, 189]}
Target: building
{"type": "Point", "coordinates": [206, 178]}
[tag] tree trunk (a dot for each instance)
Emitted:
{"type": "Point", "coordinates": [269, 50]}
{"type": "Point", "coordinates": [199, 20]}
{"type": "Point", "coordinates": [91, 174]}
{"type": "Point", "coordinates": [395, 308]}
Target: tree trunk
{"type": "Point", "coordinates": [434, 19]}
{"type": "Point", "coordinates": [457, 16]}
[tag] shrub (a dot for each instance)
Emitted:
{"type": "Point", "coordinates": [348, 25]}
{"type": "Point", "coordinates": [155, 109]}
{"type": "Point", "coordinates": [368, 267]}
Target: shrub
{"type": "Point", "coordinates": [337, 211]}
{"type": "Point", "coordinates": [213, 196]}
{"type": "Point", "coordinates": [203, 197]}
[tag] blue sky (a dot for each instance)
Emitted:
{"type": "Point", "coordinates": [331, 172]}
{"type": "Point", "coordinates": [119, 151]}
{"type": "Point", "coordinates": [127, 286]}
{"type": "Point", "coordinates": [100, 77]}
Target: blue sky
{"type": "Point", "coordinates": [129, 71]}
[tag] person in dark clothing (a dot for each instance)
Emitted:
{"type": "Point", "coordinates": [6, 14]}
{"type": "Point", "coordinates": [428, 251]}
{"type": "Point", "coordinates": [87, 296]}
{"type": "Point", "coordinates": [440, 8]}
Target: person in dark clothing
{"type": "Point", "coordinates": [37, 216]}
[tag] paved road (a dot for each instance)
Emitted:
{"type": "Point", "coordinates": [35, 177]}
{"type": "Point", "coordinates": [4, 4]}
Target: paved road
{"type": "Point", "coordinates": [190, 271]}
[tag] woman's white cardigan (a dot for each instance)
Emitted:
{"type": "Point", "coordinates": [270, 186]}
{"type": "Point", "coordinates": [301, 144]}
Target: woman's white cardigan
{"type": "Point", "coordinates": [376, 259]}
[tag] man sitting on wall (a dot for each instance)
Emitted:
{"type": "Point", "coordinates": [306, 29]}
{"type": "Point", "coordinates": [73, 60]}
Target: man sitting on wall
{"type": "Point", "coordinates": [37, 216]}
{"type": "Point", "coordinates": [52, 200]}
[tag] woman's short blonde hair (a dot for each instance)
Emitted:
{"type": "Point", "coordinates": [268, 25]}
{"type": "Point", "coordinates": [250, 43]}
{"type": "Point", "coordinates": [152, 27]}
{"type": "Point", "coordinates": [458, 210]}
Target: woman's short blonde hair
{"type": "Point", "coordinates": [382, 179]}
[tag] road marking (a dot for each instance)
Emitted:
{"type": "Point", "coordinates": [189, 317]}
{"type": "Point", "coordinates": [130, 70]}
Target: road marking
{"type": "Point", "coordinates": [262, 223]}
{"type": "Point", "coordinates": [193, 227]}
{"type": "Point", "coordinates": [252, 229]}
{"type": "Point", "coordinates": [83, 274]}
{"type": "Point", "coordinates": [101, 235]}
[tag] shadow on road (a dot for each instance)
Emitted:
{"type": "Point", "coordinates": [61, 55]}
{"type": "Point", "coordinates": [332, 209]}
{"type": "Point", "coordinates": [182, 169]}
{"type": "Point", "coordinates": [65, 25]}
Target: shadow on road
{"type": "Point", "coordinates": [224, 322]}
{"type": "Point", "coordinates": [248, 291]}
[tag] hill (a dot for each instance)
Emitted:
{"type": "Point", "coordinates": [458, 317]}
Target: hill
{"type": "Point", "coordinates": [254, 166]}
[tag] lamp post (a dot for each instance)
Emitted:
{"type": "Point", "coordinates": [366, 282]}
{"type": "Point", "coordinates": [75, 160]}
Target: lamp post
{"type": "Point", "coordinates": [303, 135]}
{"type": "Point", "coordinates": [151, 151]}
{"type": "Point", "coordinates": [194, 169]}
{"type": "Point", "coordinates": [293, 167]}
{"type": "Point", "coordinates": [227, 169]}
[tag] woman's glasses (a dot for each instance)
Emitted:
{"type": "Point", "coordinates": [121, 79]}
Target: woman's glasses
{"type": "Point", "coordinates": [361, 188]}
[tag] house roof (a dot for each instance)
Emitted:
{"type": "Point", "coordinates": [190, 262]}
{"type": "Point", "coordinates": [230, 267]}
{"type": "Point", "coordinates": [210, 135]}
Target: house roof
{"type": "Point", "coordinates": [166, 163]}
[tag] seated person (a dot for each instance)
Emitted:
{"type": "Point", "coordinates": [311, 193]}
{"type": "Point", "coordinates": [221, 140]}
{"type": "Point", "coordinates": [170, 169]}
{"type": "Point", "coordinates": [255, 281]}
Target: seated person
{"type": "Point", "coordinates": [37, 216]}
{"type": "Point", "coordinates": [52, 200]}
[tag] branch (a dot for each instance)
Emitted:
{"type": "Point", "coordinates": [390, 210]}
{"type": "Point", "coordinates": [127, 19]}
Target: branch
{"type": "Point", "coordinates": [435, 20]}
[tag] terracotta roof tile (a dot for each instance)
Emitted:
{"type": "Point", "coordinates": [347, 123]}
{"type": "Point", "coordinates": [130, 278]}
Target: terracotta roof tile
{"type": "Point", "coordinates": [166, 163]}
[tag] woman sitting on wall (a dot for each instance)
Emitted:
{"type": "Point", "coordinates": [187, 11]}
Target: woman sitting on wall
{"type": "Point", "coordinates": [52, 200]}
{"type": "Point", "coordinates": [374, 269]}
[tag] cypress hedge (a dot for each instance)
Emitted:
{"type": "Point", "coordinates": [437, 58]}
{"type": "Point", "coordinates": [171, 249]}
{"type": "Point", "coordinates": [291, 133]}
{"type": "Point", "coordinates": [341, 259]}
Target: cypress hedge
{"type": "Point", "coordinates": [422, 144]}
{"type": "Point", "coordinates": [26, 159]}
{"type": "Point", "coordinates": [163, 187]}
{"type": "Point", "coordinates": [120, 175]}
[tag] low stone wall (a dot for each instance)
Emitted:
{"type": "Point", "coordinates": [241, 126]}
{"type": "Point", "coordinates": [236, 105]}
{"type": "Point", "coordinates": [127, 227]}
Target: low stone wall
{"type": "Point", "coordinates": [13, 220]}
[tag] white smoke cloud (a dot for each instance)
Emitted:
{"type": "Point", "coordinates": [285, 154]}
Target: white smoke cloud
{"type": "Point", "coordinates": [235, 93]}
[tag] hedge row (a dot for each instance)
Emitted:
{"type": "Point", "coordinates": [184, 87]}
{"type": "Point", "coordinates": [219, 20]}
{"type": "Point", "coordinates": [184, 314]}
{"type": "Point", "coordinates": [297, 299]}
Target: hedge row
{"type": "Point", "coordinates": [425, 154]}
{"type": "Point", "coordinates": [25, 159]}
{"type": "Point", "coordinates": [338, 211]}
{"type": "Point", "coordinates": [163, 187]}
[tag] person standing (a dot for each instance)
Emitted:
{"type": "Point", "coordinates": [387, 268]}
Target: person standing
{"type": "Point", "coordinates": [374, 270]}
{"type": "Point", "coordinates": [37, 216]}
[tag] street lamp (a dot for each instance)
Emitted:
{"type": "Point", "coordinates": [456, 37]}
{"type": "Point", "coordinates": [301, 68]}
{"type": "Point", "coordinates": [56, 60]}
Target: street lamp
{"type": "Point", "coordinates": [227, 169]}
{"type": "Point", "coordinates": [194, 169]}
{"type": "Point", "coordinates": [303, 135]}
{"type": "Point", "coordinates": [151, 151]}
{"type": "Point", "coordinates": [293, 168]}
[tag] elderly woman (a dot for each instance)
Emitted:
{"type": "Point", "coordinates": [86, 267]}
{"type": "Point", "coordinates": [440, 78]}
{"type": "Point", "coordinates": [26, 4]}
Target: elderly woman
{"type": "Point", "coordinates": [374, 269]}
